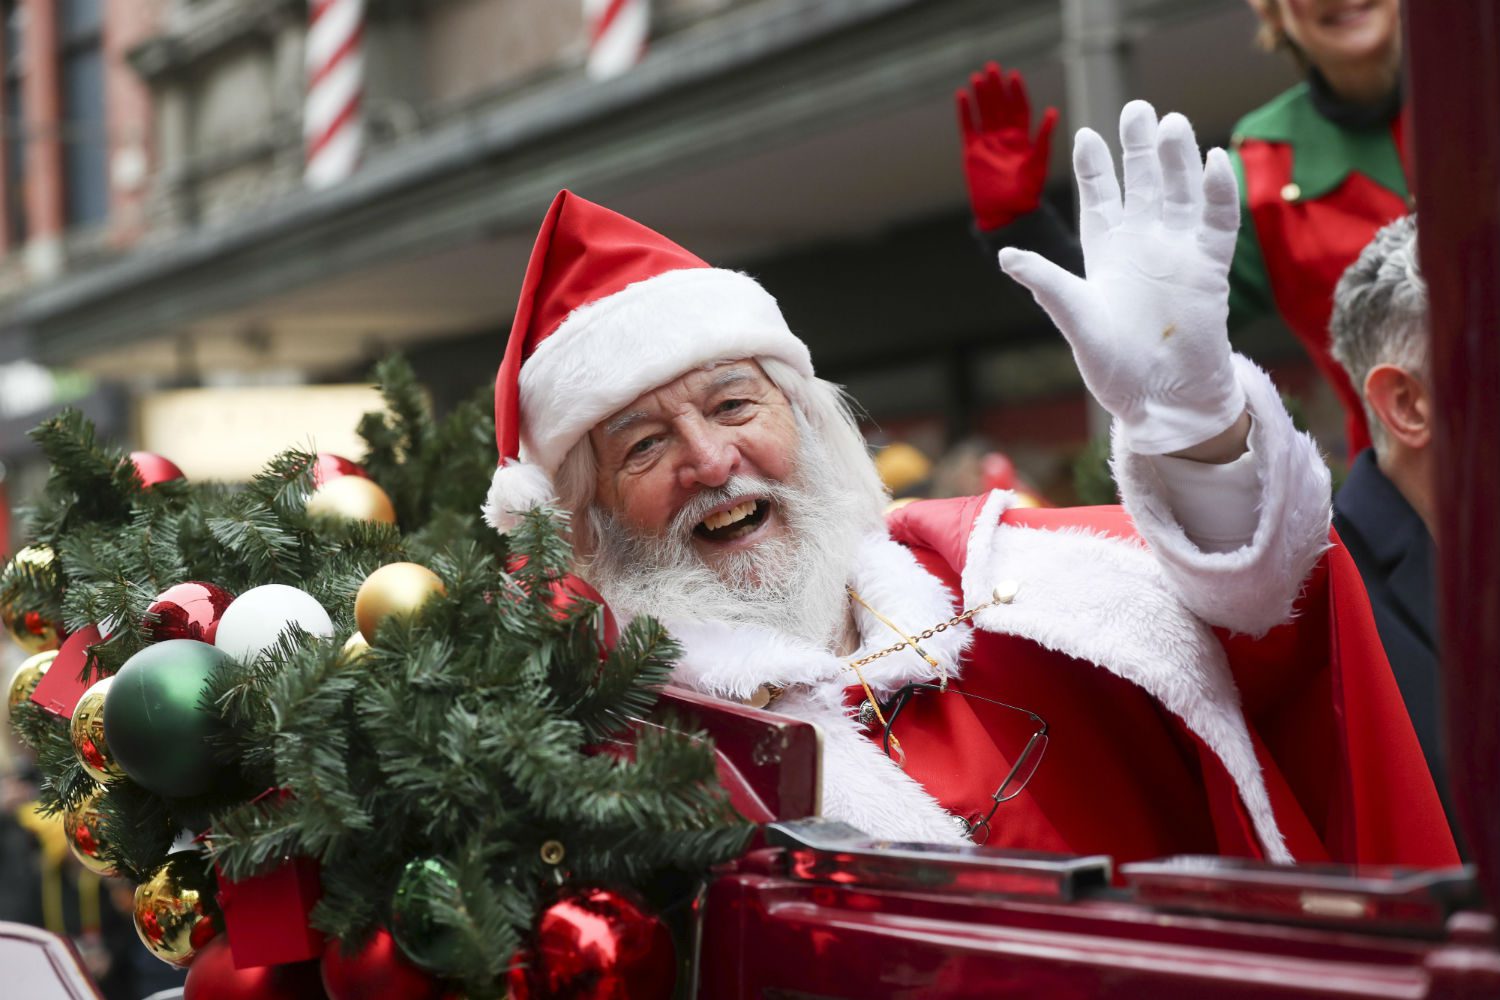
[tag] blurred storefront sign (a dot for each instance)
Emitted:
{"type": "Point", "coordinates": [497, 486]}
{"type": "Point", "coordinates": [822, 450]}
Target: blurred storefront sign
{"type": "Point", "coordinates": [230, 434]}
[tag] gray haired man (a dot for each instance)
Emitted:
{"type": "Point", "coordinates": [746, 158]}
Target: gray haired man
{"type": "Point", "coordinates": [1384, 511]}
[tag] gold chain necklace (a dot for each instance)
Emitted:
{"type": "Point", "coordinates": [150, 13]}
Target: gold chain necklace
{"type": "Point", "coordinates": [1003, 594]}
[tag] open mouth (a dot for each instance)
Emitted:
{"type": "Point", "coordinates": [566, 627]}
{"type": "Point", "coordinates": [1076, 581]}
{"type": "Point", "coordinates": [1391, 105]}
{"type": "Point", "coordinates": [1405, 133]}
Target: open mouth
{"type": "Point", "coordinates": [732, 522]}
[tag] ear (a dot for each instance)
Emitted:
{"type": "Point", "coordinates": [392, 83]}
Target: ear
{"type": "Point", "coordinates": [1269, 12]}
{"type": "Point", "coordinates": [1401, 402]}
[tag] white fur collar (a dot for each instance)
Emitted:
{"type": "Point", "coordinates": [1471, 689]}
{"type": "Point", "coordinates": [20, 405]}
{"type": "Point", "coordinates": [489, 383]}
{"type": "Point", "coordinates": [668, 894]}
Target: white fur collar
{"type": "Point", "coordinates": [1096, 598]}
{"type": "Point", "coordinates": [861, 786]}
{"type": "Point", "coordinates": [1105, 600]}
{"type": "Point", "coordinates": [731, 661]}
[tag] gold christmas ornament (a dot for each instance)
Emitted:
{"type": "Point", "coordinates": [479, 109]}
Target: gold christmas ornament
{"type": "Point", "coordinates": [84, 825]}
{"type": "Point", "coordinates": [32, 558]}
{"type": "Point", "coordinates": [167, 915]}
{"type": "Point", "coordinates": [352, 498]}
{"type": "Point", "coordinates": [86, 730]}
{"type": "Point", "coordinates": [399, 590]}
{"type": "Point", "coordinates": [553, 852]}
{"type": "Point", "coordinates": [354, 649]}
{"type": "Point", "coordinates": [31, 631]}
{"type": "Point", "coordinates": [27, 676]}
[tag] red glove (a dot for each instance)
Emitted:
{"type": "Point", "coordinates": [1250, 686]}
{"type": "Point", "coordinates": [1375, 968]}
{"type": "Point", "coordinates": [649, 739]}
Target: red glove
{"type": "Point", "coordinates": [1005, 169]}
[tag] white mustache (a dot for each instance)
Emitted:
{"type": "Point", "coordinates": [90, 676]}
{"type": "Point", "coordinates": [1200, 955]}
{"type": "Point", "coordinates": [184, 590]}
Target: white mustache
{"type": "Point", "coordinates": [793, 583]}
{"type": "Point", "coordinates": [706, 499]}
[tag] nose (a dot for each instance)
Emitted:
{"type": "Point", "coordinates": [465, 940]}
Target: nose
{"type": "Point", "coordinates": [710, 456]}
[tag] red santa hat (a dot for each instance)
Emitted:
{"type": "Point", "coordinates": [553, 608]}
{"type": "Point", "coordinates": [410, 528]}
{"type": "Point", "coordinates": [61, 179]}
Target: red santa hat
{"type": "Point", "coordinates": [609, 310]}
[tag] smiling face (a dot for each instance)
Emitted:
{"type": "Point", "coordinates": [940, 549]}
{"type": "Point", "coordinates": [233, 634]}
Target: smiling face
{"type": "Point", "coordinates": [1340, 35]}
{"type": "Point", "coordinates": [671, 457]}
{"type": "Point", "coordinates": [714, 499]}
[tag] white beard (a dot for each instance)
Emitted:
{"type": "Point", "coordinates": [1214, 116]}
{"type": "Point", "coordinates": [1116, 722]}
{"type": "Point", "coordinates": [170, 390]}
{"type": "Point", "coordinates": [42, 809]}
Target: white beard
{"type": "Point", "coordinates": [793, 584]}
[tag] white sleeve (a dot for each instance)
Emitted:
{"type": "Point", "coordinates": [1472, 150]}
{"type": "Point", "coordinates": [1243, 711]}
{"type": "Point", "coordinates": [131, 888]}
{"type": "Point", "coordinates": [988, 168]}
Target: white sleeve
{"type": "Point", "coordinates": [1215, 504]}
{"type": "Point", "coordinates": [1251, 586]}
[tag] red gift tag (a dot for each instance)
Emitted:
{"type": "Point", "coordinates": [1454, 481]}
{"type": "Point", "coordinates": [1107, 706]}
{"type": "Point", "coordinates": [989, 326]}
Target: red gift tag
{"type": "Point", "coordinates": [62, 685]}
{"type": "Point", "coordinates": [265, 916]}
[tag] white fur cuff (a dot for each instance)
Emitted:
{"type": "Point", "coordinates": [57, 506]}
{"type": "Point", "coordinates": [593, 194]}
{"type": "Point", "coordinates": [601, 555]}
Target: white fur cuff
{"type": "Point", "coordinates": [1254, 587]}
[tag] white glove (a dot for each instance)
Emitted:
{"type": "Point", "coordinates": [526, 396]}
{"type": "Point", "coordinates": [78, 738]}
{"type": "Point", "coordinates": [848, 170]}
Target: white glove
{"type": "Point", "coordinates": [1149, 326]}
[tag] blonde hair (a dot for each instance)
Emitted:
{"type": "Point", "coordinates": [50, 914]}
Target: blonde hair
{"type": "Point", "coordinates": [1270, 36]}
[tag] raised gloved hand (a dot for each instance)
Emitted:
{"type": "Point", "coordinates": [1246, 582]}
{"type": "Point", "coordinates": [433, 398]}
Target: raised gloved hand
{"type": "Point", "coordinates": [1149, 325]}
{"type": "Point", "coordinates": [1004, 167]}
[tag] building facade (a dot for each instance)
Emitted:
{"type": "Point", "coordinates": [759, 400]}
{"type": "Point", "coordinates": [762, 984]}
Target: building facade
{"type": "Point", "coordinates": [159, 234]}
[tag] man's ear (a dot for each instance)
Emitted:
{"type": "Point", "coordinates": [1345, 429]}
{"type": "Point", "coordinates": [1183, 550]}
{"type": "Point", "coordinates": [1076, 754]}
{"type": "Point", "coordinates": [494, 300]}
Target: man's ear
{"type": "Point", "coordinates": [1401, 402]}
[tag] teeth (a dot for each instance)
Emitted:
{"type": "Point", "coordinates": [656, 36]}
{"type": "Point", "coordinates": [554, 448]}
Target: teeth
{"type": "Point", "coordinates": [724, 518]}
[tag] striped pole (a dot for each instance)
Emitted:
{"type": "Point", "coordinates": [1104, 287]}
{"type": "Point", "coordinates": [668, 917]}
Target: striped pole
{"type": "Point", "coordinates": [332, 124]}
{"type": "Point", "coordinates": [617, 31]}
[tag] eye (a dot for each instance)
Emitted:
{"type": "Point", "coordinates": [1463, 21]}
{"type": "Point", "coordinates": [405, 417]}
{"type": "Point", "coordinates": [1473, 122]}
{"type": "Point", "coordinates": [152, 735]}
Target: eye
{"type": "Point", "coordinates": [642, 446]}
{"type": "Point", "coordinates": [730, 405]}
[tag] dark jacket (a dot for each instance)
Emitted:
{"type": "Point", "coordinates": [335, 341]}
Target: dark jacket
{"type": "Point", "coordinates": [1394, 552]}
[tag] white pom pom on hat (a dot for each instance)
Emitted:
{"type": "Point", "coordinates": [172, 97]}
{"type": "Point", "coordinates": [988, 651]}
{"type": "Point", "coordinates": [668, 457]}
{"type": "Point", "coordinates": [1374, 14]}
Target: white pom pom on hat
{"type": "Point", "coordinates": [609, 310]}
{"type": "Point", "coordinates": [515, 488]}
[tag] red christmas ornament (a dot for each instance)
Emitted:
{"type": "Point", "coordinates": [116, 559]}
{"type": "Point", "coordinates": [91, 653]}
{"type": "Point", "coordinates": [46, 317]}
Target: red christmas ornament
{"type": "Point", "coordinates": [330, 466]}
{"type": "Point", "coordinates": [597, 944]}
{"type": "Point", "coordinates": [376, 970]}
{"type": "Point", "coordinates": [574, 588]}
{"type": "Point", "coordinates": [153, 468]}
{"type": "Point", "coordinates": [188, 611]}
{"type": "Point", "coordinates": [212, 976]}
{"type": "Point", "coordinates": [567, 591]}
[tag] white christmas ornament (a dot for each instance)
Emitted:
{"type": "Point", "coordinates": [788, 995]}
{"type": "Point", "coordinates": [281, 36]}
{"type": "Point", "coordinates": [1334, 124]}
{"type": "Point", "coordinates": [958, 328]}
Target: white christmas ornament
{"type": "Point", "coordinates": [255, 620]}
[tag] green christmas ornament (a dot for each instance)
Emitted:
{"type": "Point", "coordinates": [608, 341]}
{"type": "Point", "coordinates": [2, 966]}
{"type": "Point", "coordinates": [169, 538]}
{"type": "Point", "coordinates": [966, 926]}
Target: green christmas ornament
{"type": "Point", "coordinates": [425, 888]}
{"type": "Point", "coordinates": [157, 722]}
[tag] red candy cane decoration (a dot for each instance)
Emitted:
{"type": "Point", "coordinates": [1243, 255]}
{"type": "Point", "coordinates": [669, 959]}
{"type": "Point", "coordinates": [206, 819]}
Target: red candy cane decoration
{"type": "Point", "coordinates": [617, 31]}
{"type": "Point", "coordinates": [332, 122]}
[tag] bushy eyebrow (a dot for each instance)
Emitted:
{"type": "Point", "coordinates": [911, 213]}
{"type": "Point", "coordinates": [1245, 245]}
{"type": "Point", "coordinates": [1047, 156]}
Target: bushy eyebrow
{"type": "Point", "coordinates": [728, 377]}
{"type": "Point", "coordinates": [624, 421]}
{"type": "Point", "coordinates": [732, 376]}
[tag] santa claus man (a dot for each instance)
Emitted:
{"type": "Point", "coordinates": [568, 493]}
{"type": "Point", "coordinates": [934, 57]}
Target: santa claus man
{"type": "Point", "coordinates": [1194, 673]}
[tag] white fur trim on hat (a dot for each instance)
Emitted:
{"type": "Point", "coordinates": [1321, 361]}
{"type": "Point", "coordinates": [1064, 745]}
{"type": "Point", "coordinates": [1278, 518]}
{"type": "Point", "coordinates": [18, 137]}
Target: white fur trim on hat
{"type": "Point", "coordinates": [609, 351]}
{"type": "Point", "coordinates": [515, 488]}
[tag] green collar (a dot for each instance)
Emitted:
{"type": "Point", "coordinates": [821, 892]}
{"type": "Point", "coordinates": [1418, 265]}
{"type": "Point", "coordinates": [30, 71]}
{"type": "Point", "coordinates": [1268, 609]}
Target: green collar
{"type": "Point", "coordinates": [1323, 153]}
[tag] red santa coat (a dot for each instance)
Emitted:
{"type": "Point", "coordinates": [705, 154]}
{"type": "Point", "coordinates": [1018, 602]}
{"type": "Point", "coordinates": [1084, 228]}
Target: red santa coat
{"type": "Point", "coordinates": [1343, 774]}
{"type": "Point", "coordinates": [1235, 703]}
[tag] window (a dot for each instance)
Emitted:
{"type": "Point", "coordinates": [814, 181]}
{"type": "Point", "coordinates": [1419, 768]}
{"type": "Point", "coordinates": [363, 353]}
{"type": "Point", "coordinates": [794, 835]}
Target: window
{"type": "Point", "coordinates": [85, 149]}
{"type": "Point", "coordinates": [13, 15]}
